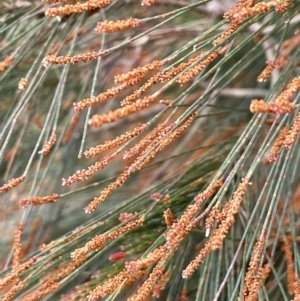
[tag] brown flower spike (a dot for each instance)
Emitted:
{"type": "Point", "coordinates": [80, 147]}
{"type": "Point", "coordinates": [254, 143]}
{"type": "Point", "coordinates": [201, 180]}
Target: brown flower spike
{"type": "Point", "coordinates": [216, 239]}
{"type": "Point", "coordinates": [119, 25]}
{"type": "Point", "coordinates": [77, 8]}
{"type": "Point", "coordinates": [12, 183]}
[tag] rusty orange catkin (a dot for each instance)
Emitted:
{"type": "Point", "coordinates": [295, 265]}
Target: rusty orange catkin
{"type": "Point", "coordinates": [195, 70]}
{"type": "Point", "coordinates": [112, 116]}
{"type": "Point", "coordinates": [260, 106]}
{"type": "Point", "coordinates": [12, 183]}
{"type": "Point", "coordinates": [14, 290]}
{"type": "Point", "coordinates": [233, 26]}
{"type": "Point", "coordinates": [6, 63]}
{"type": "Point", "coordinates": [292, 135]}
{"type": "Point", "coordinates": [89, 102]}
{"type": "Point", "coordinates": [78, 58]}
{"type": "Point", "coordinates": [108, 287]}
{"type": "Point", "coordinates": [94, 151]}
{"type": "Point", "coordinates": [216, 239]}
{"type": "Point", "coordinates": [48, 145]}
{"type": "Point", "coordinates": [263, 77]}
{"type": "Point", "coordinates": [160, 285]}
{"type": "Point", "coordinates": [253, 275]}
{"type": "Point", "coordinates": [77, 8]}
{"type": "Point", "coordinates": [166, 75]}
{"type": "Point", "coordinates": [12, 276]}
{"type": "Point", "coordinates": [100, 240]}
{"type": "Point", "coordinates": [84, 174]}
{"type": "Point", "coordinates": [17, 245]}
{"type": "Point", "coordinates": [282, 104]}
{"type": "Point", "coordinates": [242, 12]}
{"type": "Point", "coordinates": [283, 5]}
{"type": "Point", "coordinates": [147, 287]}
{"type": "Point", "coordinates": [23, 83]}
{"type": "Point", "coordinates": [286, 247]}
{"type": "Point", "coordinates": [184, 225]}
{"type": "Point", "coordinates": [275, 150]}
{"type": "Point", "coordinates": [169, 219]}
{"type": "Point", "coordinates": [39, 200]}
{"type": "Point", "coordinates": [145, 262]}
{"type": "Point", "coordinates": [291, 89]}
{"type": "Point", "coordinates": [119, 25]}
{"type": "Point", "coordinates": [143, 142]}
{"type": "Point", "coordinates": [139, 72]}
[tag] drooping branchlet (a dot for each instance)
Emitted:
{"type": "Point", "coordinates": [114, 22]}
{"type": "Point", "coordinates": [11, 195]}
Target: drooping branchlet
{"type": "Point", "coordinates": [141, 161]}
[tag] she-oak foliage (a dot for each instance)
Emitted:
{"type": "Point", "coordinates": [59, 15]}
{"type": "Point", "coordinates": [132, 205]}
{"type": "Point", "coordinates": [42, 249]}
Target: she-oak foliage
{"type": "Point", "coordinates": [150, 150]}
